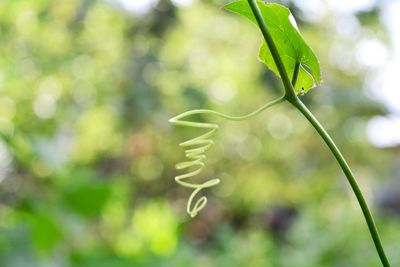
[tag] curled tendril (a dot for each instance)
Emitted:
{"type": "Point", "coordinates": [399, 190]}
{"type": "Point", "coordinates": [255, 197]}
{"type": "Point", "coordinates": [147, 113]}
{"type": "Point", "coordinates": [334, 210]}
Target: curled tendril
{"type": "Point", "coordinates": [196, 148]}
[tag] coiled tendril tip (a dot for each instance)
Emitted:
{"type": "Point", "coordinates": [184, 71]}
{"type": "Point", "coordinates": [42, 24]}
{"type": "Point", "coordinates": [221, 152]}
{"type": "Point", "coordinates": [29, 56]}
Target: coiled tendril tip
{"type": "Point", "coordinates": [196, 148]}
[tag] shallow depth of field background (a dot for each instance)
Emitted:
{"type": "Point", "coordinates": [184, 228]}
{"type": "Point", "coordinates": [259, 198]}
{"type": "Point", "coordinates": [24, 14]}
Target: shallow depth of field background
{"type": "Point", "coordinates": [87, 155]}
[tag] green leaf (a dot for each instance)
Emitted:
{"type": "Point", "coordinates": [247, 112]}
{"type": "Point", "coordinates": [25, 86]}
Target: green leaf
{"type": "Point", "coordinates": [88, 198]}
{"type": "Point", "coordinates": [46, 231]}
{"type": "Point", "coordinates": [291, 46]}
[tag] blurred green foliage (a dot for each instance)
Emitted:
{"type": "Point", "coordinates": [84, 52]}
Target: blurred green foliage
{"type": "Point", "coordinates": [87, 156]}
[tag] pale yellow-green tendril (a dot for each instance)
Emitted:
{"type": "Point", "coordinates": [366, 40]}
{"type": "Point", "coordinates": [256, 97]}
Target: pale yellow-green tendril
{"type": "Point", "coordinates": [195, 149]}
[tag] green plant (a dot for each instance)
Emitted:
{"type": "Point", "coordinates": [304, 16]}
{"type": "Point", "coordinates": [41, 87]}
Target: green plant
{"type": "Point", "coordinates": [285, 53]}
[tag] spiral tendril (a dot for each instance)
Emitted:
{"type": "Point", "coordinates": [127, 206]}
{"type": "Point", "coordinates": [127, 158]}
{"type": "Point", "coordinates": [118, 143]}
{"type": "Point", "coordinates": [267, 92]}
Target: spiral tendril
{"type": "Point", "coordinates": [195, 149]}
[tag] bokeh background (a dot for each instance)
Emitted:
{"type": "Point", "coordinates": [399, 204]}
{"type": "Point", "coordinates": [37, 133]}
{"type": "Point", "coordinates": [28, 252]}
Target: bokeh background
{"type": "Point", "coordinates": [87, 155]}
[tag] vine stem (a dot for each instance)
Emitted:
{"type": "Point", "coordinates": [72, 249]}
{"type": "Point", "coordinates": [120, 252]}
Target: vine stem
{"type": "Point", "coordinates": [292, 98]}
{"type": "Point", "coordinates": [350, 178]}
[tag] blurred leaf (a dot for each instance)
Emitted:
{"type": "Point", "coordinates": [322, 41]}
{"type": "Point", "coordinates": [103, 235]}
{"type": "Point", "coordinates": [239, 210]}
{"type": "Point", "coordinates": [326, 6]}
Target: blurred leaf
{"type": "Point", "coordinates": [291, 45]}
{"type": "Point", "coordinates": [89, 198]}
{"type": "Point", "coordinates": [45, 231]}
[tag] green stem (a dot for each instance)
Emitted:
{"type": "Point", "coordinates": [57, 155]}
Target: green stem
{"type": "Point", "coordinates": [291, 97]}
{"type": "Point", "coordinates": [350, 178]}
